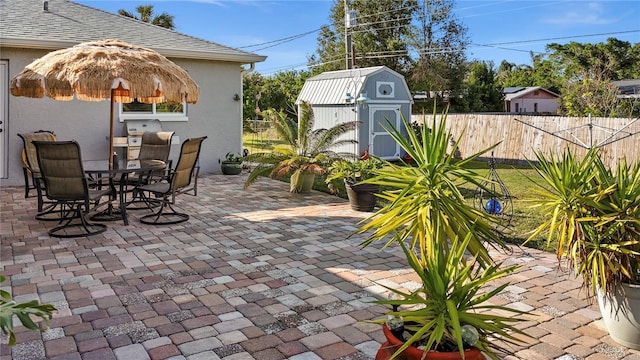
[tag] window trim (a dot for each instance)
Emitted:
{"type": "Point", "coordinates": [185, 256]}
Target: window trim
{"type": "Point", "coordinates": [123, 116]}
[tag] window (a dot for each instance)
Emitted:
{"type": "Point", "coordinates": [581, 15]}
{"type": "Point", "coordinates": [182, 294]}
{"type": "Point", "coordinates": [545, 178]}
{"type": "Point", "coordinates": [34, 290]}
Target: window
{"type": "Point", "coordinates": [535, 107]}
{"type": "Point", "coordinates": [162, 111]}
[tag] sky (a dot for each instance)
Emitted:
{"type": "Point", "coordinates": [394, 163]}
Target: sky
{"type": "Point", "coordinates": [497, 29]}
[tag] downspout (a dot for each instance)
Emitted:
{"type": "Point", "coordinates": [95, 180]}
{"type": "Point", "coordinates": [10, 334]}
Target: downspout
{"type": "Point", "coordinates": [243, 72]}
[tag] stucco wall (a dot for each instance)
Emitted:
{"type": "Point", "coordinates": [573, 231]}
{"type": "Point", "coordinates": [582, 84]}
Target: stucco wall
{"type": "Point", "coordinates": [216, 115]}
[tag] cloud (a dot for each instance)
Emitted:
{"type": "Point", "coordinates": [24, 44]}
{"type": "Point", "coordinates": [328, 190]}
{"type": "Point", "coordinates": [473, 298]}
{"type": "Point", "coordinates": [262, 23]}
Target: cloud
{"type": "Point", "coordinates": [580, 13]}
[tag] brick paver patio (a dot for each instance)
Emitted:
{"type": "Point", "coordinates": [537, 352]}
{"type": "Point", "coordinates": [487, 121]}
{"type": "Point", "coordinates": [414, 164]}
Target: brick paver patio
{"type": "Point", "coordinates": [255, 274]}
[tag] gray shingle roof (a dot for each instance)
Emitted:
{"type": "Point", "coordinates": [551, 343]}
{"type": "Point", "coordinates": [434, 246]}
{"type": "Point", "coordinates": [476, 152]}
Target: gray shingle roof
{"type": "Point", "coordinates": [25, 24]}
{"type": "Point", "coordinates": [524, 91]}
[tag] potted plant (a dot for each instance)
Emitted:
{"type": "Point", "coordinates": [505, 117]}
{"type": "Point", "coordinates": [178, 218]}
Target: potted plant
{"type": "Point", "coordinates": [361, 196]}
{"type": "Point", "coordinates": [427, 216]}
{"type": "Point", "coordinates": [232, 164]}
{"type": "Point", "coordinates": [447, 315]}
{"type": "Point", "coordinates": [593, 221]}
{"type": "Point", "coordinates": [306, 152]}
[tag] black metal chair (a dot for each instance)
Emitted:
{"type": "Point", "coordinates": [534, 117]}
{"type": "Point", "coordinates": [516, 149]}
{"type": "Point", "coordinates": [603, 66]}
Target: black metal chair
{"type": "Point", "coordinates": [32, 176]}
{"type": "Point", "coordinates": [165, 191]}
{"type": "Point", "coordinates": [61, 169]}
{"type": "Point", "coordinates": [154, 146]}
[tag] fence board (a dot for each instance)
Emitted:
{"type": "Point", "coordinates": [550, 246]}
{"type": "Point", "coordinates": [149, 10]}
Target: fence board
{"type": "Point", "coordinates": [518, 141]}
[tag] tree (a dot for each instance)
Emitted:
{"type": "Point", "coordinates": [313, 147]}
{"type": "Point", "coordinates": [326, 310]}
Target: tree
{"type": "Point", "coordinates": [510, 75]}
{"type": "Point", "coordinates": [440, 41]}
{"type": "Point", "coordinates": [588, 70]}
{"type": "Point", "coordinates": [379, 37]}
{"type": "Point", "coordinates": [613, 60]}
{"type": "Point", "coordinates": [278, 91]}
{"type": "Point", "coordinates": [482, 93]}
{"type": "Point", "coordinates": [146, 15]}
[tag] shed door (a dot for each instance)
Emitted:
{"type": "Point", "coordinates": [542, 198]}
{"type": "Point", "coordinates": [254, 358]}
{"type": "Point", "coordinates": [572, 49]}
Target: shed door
{"type": "Point", "coordinates": [381, 143]}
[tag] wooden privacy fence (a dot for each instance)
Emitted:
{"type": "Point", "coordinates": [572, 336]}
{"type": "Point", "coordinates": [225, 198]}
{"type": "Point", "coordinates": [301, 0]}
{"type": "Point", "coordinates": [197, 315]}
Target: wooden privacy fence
{"type": "Point", "coordinates": [617, 137]}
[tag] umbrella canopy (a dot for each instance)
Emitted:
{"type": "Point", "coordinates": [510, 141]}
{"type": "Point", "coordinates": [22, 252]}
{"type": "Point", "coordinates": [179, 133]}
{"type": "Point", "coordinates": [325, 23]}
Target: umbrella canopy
{"type": "Point", "coordinates": [107, 69]}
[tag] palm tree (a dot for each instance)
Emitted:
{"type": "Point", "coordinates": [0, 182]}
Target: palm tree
{"type": "Point", "coordinates": [306, 152]}
{"type": "Point", "coordinates": [146, 15]}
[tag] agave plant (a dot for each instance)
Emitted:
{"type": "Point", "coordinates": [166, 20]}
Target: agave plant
{"type": "Point", "coordinates": [306, 151]}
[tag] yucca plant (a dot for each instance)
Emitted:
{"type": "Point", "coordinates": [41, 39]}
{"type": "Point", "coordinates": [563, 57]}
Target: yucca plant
{"type": "Point", "coordinates": [449, 312]}
{"type": "Point", "coordinates": [427, 215]}
{"type": "Point", "coordinates": [23, 311]}
{"type": "Point", "coordinates": [593, 220]}
{"type": "Point", "coordinates": [425, 206]}
{"type": "Point", "coordinates": [306, 151]}
{"type": "Point", "coordinates": [593, 216]}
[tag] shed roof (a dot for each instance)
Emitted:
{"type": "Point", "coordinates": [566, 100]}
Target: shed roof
{"type": "Point", "coordinates": [26, 24]}
{"type": "Point", "coordinates": [330, 87]}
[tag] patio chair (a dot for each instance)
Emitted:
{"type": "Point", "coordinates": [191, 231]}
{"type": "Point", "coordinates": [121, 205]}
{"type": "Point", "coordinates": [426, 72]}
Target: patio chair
{"type": "Point", "coordinates": [31, 171]}
{"type": "Point", "coordinates": [154, 146]}
{"type": "Point", "coordinates": [165, 191]}
{"type": "Point", "coordinates": [61, 169]}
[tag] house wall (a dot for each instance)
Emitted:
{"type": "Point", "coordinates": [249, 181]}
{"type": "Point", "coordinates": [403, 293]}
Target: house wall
{"type": "Point", "coordinates": [216, 115]}
{"type": "Point", "coordinates": [547, 103]}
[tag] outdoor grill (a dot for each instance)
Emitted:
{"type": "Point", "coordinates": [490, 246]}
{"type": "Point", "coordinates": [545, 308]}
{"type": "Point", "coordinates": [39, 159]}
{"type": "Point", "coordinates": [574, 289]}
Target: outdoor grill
{"type": "Point", "coordinates": [134, 130]}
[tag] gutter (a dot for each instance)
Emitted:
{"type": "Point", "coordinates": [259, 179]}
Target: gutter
{"type": "Point", "coordinates": [40, 44]}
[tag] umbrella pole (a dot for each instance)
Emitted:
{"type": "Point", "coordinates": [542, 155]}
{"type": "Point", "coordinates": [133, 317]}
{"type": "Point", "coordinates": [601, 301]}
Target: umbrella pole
{"type": "Point", "coordinates": [111, 132]}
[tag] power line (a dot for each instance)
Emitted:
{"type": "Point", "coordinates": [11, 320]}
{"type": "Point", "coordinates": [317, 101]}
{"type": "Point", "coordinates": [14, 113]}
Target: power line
{"type": "Point", "coordinates": [286, 39]}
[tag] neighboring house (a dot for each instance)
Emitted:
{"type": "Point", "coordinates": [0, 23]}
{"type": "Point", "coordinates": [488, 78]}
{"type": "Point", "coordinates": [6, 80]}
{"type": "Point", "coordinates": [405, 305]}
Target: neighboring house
{"type": "Point", "coordinates": [371, 96]}
{"type": "Point", "coordinates": [530, 100]}
{"type": "Point", "coordinates": [30, 29]}
{"type": "Point", "coordinates": [628, 88]}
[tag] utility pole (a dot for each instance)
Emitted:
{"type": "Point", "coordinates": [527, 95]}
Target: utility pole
{"type": "Point", "coordinates": [349, 21]}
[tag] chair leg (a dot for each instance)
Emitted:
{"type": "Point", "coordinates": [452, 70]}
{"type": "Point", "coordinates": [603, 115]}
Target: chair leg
{"type": "Point", "coordinates": [69, 229]}
{"type": "Point", "coordinates": [26, 182]}
{"type": "Point", "coordinates": [163, 217]}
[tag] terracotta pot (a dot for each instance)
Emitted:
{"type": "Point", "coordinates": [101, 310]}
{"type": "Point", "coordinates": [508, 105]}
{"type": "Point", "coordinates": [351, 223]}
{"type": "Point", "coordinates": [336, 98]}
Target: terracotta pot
{"type": "Point", "coordinates": [361, 197]}
{"type": "Point", "coordinates": [389, 348]}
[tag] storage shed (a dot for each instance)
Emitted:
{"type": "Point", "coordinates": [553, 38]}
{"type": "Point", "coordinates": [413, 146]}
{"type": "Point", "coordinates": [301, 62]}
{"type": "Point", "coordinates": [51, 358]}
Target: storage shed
{"type": "Point", "coordinates": [369, 95]}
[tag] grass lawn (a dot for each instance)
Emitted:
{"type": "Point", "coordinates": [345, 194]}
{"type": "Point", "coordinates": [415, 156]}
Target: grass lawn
{"type": "Point", "coordinates": [516, 180]}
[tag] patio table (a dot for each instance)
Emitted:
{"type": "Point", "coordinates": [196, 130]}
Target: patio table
{"type": "Point", "coordinates": [123, 168]}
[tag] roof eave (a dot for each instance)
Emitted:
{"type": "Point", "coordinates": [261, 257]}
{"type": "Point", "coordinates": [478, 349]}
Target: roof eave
{"type": "Point", "coordinates": [201, 55]}
{"type": "Point", "coordinates": [176, 53]}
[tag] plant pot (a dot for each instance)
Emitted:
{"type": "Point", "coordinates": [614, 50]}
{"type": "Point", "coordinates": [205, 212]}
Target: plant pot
{"type": "Point", "coordinates": [231, 168]}
{"type": "Point", "coordinates": [361, 196]}
{"type": "Point", "coordinates": [307, 184]}
{"type": "Point", "coordinates": [621, 314]}
{"type": "Point", "coordinates": [388, 348]}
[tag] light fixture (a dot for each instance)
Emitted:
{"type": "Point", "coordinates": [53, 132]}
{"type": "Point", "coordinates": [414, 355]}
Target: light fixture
{"type": "Point", "coordinates": [236, 97]}
{"type": "Point", "coordinates": [362, 98]}
{"type": "Point", "coordinates": [348, 98]}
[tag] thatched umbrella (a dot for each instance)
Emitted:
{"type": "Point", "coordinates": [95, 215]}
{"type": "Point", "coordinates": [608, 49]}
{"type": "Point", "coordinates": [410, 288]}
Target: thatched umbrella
{"type": "Point", "coordinates": [108, 69]}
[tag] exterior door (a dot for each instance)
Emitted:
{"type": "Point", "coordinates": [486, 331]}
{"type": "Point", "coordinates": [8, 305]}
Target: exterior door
{"type": "Point", "coordinates": [4, 117]}
{"type": "Point", "coordinates": [381, 143]}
